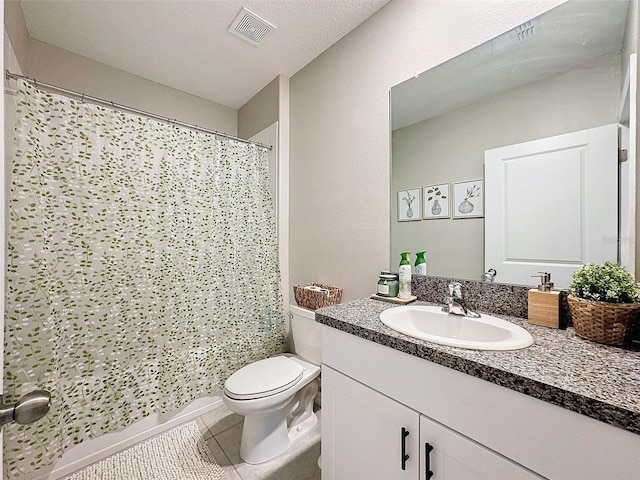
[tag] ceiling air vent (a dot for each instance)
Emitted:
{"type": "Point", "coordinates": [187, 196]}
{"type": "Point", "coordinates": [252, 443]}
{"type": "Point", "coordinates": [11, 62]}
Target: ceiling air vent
{"type": "Point", "coordinates": [250, 27]}
{"type": "Point", "coordinates": [525, 31]}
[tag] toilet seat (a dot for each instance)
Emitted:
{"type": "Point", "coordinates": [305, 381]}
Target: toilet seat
{"type": "Point", "coordinates": [263, 378]}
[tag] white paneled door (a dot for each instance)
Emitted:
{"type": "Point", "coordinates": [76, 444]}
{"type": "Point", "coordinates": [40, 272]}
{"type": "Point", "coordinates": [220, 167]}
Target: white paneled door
{"type": "Point", "coordinates": [552, 205]}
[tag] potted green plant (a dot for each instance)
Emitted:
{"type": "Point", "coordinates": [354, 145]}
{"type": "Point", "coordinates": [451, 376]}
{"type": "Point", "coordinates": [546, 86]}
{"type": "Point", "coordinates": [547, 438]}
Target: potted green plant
{"type": "Point", "coordinates": [604, 303]}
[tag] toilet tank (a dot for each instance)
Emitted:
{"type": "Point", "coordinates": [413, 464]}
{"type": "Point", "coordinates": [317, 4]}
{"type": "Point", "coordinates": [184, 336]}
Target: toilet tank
{"type": "Point", "coordinates": [306, 334]}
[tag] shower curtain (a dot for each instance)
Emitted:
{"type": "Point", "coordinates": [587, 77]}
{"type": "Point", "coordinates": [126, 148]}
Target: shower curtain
{"type": "Point", "coordinates": [142, 269]}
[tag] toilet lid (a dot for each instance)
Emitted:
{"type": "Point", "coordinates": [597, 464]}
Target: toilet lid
{"type": "Point", "coordinates": [263, 378]}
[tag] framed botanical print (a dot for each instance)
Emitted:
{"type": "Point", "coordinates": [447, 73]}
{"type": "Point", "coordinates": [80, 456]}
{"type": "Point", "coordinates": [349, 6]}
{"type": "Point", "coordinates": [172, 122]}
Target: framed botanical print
{"type": "Point", "coordinates": [468, 199]}
{"type": "Point", "coordinates": [409, 205]}
{"type": "Point", "coordinates": [436, 201]}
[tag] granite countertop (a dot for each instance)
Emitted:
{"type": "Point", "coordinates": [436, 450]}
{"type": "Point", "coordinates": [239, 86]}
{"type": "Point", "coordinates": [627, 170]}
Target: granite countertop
{"type": "Point", "coordinates": [561, 368]}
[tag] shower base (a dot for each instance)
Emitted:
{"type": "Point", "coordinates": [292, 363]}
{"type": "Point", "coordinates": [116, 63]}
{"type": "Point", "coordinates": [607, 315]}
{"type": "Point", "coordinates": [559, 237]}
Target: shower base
{"type": "Point", "coordinates": [99, 448]}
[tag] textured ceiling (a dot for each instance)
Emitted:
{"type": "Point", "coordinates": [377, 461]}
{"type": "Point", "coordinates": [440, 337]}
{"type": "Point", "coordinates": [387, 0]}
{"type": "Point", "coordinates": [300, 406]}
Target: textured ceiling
{"type": "Point", "coordinates": [184, 44]}
{"type": "Point", "coordinates": [586, 34]}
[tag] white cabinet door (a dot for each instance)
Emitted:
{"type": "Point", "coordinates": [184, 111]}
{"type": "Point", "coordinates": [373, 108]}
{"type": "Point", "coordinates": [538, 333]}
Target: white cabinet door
{"type": "Point", "coordinates": [365, 435]}
{"type": "Point", "coordinates": [451, 456]}
{"type": "Point", "coordinates": [552, 205]}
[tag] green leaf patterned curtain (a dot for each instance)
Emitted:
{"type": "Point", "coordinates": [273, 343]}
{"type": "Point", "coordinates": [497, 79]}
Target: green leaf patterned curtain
{"type": "Point", "coordinates": [142, 269]}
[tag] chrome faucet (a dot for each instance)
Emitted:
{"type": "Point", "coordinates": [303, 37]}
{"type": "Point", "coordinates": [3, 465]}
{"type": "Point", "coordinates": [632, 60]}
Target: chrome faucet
{"type": "Point", "coordinates": [455, 303]}
{"type": "Point", "coordinates": [489, 275]}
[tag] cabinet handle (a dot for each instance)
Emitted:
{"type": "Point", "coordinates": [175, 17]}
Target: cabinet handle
{"type": "Point", "coordinates": [403, 441]}
{"type": "Point", "coordinates": [427, 458]}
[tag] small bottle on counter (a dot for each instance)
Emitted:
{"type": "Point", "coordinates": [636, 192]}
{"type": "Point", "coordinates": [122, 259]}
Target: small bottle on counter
{"type": "Point", "coordinates": [405, 276]}
{"type": "Point", "coordinates": [420, 267]}
{"type": "Point", "coordinates": [388, 284]}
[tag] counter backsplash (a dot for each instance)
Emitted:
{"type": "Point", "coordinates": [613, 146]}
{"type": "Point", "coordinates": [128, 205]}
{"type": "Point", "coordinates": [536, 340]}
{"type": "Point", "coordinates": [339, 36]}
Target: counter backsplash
{"type": "Point", "coordinates": [485, 297]}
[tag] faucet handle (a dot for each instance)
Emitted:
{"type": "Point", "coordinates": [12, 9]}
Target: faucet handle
{"type": "Point", "coordinates": [455, 289]}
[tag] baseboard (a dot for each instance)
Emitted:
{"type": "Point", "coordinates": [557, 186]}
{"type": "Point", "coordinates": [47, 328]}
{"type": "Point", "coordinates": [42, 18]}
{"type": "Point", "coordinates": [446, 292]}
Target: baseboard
{"type": "Point", "coordinates": [102, 447]}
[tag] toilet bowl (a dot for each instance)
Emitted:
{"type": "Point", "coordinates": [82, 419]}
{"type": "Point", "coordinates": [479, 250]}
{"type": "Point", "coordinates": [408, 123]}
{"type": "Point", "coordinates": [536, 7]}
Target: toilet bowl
{"type": "Point", "coordinates": [275, 395]}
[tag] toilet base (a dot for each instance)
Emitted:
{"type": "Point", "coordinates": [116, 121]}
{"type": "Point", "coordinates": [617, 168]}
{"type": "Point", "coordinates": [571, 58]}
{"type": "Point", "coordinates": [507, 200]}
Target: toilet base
{"type": "Point", "coordinates": [264, 437]}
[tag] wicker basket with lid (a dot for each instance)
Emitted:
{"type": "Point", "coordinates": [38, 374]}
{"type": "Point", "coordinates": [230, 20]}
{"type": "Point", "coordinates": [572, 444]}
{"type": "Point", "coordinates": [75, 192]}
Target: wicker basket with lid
{"type": "Point", "coordinates": [316, 295]}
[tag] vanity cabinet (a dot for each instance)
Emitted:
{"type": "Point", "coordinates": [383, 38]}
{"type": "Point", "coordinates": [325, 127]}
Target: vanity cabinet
{"type": "Point", "coordinates": [367, 436]}
{"type": "Point", "coordinates": [449, 455]}
{"type": "Point", "coordinates": [478, 429]}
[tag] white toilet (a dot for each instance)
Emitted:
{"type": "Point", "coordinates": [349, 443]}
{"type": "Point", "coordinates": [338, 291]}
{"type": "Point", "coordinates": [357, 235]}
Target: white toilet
{"type": "Point", "coordinates": [276, 394]}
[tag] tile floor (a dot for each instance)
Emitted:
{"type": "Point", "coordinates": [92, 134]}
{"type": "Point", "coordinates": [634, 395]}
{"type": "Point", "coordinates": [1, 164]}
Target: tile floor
{"type": "Point", "coordinates": [222, 430]}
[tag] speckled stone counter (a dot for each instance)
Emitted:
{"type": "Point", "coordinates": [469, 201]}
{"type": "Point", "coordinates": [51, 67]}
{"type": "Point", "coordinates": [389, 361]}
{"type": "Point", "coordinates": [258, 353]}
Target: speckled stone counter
{"type": "Point", "coordinates": [561, 368]}
{"type": "Point", "coordinates": [501, 298]}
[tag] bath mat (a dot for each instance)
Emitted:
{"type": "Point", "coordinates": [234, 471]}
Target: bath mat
{"type": "Point", "coordinates": [179, 454]}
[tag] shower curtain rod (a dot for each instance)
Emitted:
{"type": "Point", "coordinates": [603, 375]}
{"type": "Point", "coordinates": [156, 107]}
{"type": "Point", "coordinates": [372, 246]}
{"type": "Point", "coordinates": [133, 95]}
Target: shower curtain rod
{"type": "Point", "coordinates": [106, 103]}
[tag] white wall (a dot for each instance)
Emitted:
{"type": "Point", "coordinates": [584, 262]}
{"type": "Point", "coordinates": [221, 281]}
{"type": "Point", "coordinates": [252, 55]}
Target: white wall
{"type": "Point", "coordinates": [16, 28]}
{"type": "Point", "coordinates": [284, 130]}
{"type": "Point", "coordinates": [261, 111]}
{"type": "Point", "coordinates": [62, 68]}
{"type": "Point", "coordinates": [340, 139]}
{"type": "Point", "coordinates": [450, 148]}
{"type": "Point", "coordinates": [65, 69]}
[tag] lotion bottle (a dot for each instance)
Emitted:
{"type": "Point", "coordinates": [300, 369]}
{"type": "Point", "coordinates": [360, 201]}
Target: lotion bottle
{"type": "Point", "coordinates": [421, 264]}
{"type": "Point", "coordinates": [405, 276]}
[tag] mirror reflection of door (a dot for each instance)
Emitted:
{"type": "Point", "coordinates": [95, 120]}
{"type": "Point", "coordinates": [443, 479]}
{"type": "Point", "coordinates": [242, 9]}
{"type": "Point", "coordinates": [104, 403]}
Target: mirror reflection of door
{"type": "Point", "coordinates": [566, 77]}
{"type": "Point", "coordinates": [552, 205]}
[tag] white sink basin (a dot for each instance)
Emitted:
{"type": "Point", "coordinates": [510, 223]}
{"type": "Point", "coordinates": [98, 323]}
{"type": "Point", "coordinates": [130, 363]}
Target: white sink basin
{"type": "Point", "coordinates": [433, 325]}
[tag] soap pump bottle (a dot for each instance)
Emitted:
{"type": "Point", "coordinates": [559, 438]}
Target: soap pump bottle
{"type": "Point", "coordinates": [421, 264]}
{"type": "Point", "coordinates": [544, 303]}
{"type": "Point", "coordinates": [404, 276]}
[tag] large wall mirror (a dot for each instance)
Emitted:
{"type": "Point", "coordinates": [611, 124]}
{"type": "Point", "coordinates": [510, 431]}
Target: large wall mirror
{"type": "Point", "coordinates": [507, 156]}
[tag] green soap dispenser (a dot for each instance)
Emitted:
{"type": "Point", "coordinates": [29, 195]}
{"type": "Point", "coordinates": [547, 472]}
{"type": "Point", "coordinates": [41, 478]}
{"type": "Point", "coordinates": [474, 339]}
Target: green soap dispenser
{"type": "Point", "coordinates": [421, 264]}
{"type": "Point", "coordinates": [404, 275]}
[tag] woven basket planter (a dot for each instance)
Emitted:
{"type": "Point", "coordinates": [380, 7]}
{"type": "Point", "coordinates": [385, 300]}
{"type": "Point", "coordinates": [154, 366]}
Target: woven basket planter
{"type": "Point", "coordinates": [603, 322]}
{"type": "Point", "coordinates": [314, 299]}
